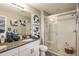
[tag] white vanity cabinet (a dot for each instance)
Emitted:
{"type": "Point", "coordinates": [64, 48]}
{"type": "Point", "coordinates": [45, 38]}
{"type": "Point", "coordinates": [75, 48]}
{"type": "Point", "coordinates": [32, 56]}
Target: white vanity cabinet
{"type": "Point", "coordinates": [12, 52]}
{"type": "Point", "coordinates": [30, 49]}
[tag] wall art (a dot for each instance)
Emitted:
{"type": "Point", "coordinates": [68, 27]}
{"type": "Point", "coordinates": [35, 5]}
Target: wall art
{"type": "Point", "coordinates": [14, 22]}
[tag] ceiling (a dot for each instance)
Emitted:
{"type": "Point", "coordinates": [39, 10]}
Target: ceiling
{"type": "Point", "coordinates": [14, 9]}
{"type": "Point", "coordinates": [54, 8]}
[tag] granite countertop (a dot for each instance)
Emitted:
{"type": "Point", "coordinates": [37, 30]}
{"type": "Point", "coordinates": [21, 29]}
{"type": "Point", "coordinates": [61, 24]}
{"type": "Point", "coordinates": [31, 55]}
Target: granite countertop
{"type": "Point", "coordinates": [7, 46]}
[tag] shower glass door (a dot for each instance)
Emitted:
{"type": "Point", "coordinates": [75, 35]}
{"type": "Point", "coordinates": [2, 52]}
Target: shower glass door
{"type": "Point", "coordinates": [66, 33]}
{"type": "Point", "coordinates": [60, 33]}
{"type": "Point", "coordinates": [51, 34]}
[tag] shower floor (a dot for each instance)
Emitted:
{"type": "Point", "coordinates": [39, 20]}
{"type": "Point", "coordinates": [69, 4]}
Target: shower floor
{"type": "Point", "coordinates": [59, 53]}
{"type": "Point", "coordinates": [50, 54]}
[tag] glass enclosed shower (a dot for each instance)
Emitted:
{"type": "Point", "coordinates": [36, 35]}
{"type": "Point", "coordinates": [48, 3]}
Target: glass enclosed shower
{"type": "Point", "coordinates": [61, 34]}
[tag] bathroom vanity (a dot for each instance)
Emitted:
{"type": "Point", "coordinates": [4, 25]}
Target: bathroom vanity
{"type": "Point", "coordinates": [21, 39]}
{"type": "Point", "coordinates": [21, 48]}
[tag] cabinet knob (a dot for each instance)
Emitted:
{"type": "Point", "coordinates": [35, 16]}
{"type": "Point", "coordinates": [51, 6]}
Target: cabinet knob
{"type": "Point", "coordinates": [32, 50]}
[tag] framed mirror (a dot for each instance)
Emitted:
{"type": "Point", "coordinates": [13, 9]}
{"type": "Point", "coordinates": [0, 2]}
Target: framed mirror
{"type": "Point", "coordinates": [17, 19]}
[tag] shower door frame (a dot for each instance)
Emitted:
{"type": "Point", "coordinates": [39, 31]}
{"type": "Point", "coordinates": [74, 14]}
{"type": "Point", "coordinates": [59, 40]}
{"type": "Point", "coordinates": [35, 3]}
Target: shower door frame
{"type": "Point", "coordinates": [76, 28]}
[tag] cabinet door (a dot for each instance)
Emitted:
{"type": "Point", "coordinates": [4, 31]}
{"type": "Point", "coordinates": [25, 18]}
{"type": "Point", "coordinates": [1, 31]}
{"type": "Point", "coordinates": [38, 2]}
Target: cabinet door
{"type": "Point", "coordinates": [25, 52]}
{"type": "Point", "coordinates": [35, 51]}
{"type": "Point", "coordinates": [13, 52]}
{"type": "Point", "coordinates": [31, 49]}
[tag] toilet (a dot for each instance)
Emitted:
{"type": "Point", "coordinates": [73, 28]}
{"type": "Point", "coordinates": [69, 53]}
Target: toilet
{"type": "Point", "coordinates": [43, 49]}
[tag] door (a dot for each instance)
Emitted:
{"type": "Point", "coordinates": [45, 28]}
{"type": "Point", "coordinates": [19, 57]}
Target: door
{"type": "Point", "coordinates": [53, 36]}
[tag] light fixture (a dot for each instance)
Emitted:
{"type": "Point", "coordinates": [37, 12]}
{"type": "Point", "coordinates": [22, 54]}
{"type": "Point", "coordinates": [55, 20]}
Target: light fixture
{"type": "Point", "coordinates": [20, 5]}
{"type": "Point", "coordinates": [51, 20]}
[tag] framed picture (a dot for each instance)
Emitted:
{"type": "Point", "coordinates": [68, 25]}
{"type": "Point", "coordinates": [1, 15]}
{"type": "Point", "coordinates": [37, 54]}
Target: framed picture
{"type": "Point", "coordinates": [14, 22]}
{"type": "Point", "coordinates": [36, 19]}
{"type": "Point", "coordinates": [22, 22]}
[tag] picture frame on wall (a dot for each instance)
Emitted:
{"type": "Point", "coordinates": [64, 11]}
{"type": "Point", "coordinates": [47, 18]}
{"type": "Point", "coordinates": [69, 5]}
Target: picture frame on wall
{"type": "Point", "coordinates": [14, 22]}
{"type": "Point", "coordinates": [36, 19]}
{"type": "Point", "coordinates": [22, 22]}
{"type": "Point", "coordinates": [36, 27]}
